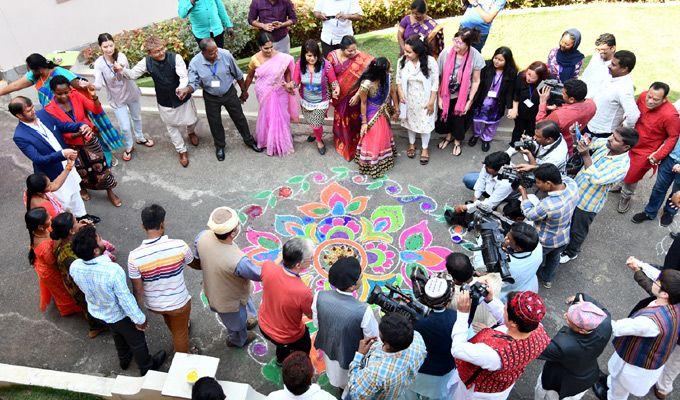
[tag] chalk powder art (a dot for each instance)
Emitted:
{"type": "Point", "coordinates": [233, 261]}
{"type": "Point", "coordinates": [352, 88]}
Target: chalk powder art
{"type": "Point", "coordinates": [387, 226]}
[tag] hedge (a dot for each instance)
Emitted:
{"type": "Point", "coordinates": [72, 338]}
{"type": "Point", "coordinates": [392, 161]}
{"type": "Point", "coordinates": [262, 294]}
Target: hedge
{"type": "Point", "coordinates": [378, 14]}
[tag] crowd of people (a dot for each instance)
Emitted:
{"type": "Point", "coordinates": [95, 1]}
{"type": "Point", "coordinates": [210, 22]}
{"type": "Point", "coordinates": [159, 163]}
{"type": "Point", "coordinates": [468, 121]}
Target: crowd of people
{"type": "Point", "coordinates": [582, 135]}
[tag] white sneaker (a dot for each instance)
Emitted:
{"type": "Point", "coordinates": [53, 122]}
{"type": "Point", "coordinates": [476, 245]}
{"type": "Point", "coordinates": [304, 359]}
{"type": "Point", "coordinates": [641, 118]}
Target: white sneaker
{"type": "Point", "coordinates": [564, 258]}
{"type": "Point", "coordinates": [511, 151]}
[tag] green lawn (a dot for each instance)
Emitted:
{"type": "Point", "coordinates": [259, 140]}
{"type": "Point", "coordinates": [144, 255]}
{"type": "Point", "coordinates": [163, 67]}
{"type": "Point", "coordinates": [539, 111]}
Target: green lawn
{"type": "Point", "coordinates": [38, 393]}
{"type": "Point", "coordinates": [533, 33]}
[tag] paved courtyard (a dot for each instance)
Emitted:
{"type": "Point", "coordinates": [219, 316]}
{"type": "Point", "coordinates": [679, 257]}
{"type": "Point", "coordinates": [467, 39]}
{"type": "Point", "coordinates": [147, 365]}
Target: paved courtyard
{"type": "Point", "coordinates": [390, 223]}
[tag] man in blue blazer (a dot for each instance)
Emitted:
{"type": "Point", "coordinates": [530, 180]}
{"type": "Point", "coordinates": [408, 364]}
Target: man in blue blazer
{"type": "Point", "coordinates": [39, 136]}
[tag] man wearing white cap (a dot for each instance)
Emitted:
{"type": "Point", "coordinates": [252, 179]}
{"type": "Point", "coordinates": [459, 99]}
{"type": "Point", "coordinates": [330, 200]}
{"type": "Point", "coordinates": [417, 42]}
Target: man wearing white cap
{"type": "Point", "coordinates": [571, 357]}
{"type": "Point", "coordinates": [227, 275]}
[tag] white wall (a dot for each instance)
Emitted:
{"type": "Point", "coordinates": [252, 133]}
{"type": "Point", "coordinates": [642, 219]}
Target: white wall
{"type": "Point", "coordinates": [44, 26]}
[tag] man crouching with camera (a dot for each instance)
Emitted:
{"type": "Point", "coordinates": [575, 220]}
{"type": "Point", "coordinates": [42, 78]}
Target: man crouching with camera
{"type": "Point", "coordinates": [493, 360]}
{"type": "Point", "coordinates": [489, 189]}
{"type": "Point", "coordinates": [548, 146]}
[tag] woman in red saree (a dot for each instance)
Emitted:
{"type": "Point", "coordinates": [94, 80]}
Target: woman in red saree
{"type": "Point", "coordinates": [348, 64]}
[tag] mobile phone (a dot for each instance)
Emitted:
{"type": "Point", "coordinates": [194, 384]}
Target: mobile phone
{"type": "Point", "coordinates": [330, 17]}
{"type": "Point", "coordinates": [577, 131]}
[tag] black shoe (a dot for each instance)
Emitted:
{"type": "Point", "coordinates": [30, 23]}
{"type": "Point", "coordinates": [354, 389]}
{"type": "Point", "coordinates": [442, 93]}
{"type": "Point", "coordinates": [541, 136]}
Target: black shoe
{"type": "Point", "coordinates": [125, 362]}
{"type": "Point", "coordinates": [322, 150]}
{"type": "Point", "coordinates": [219, 153]}
{"type": "Point", "coordinates": [255, 148]}
{"type": "Point", "coordinates": [95, 219]}
{"type": "Point", "coordinates": [157, 360]}
{"type": "Point", "coordinates": [600, 389]}
{"type": "Point", "coordinates": [641, 217]}
{"type": "Point", "coordinates": [311, 138]}
{"type": "Point", "coordinates": [666, 219]}
{"type": "Point", "coordinates": [485, 146]}
{"type": "Point", "coordinates": [473, 141]}
{"type": "Point", "coordinates": [675, 235]}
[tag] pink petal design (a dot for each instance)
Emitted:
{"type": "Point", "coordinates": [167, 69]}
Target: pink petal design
{"type": "Point", "coordinates": [421, 228]}
{"type": "Point", "coordinates": [336, 198]}
{"type": "Point", "coordinates": [335, 188]}
{"type": "Point", "coordinates": [254, 236]}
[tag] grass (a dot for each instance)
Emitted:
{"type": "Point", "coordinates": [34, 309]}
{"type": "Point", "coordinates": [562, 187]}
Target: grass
{"type": "Point", "coordinates": [19, 392]}
{"type": "Point", "coordinates": [532, 33]}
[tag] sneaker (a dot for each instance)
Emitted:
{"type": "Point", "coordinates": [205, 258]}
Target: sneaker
{"type": "Point", "coordinates": [624, 205]}
{"type": "Point", "coordinates": [511, 151]}
{"type": "Point", "coordinates": [641, 217]}
{"type": "Point", "coordinates": [615, 189]}
{"type": "Point", "coordinates": [251, 336]}
{"type": "Point", "coordinates": [565, 258]}
{"type": "Point", "coordinates": [666, 219]}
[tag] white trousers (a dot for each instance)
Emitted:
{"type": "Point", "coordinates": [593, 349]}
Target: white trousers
{"type": "Point", "coordinates": [175, 135]}
{"type": "Point", "coordinates": [126, 112]}
{"type": "Point", "coordinates": [425, 138]}
{"type": "Point", "coordinates": [670, 371]}
{"type": "Point", "coordinates": [71, 201]}
{"type": "Point", "coordinates": [542, 394]}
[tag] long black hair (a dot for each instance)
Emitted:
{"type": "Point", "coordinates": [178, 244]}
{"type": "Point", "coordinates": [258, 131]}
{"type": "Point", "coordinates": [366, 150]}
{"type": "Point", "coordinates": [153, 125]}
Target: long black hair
{"type": "Point", "coordinates": [105, 37]}
{"type": "Point", "coordinates": [34, 219]}
{"type": "Point", "coordinates": [377, 70]}
{"type": "Point", "coordinates": [36, 61]}
{"type": "Point", "coordinates": [35, 184]}
{"type": "Point", "coordinates": [311, 46]}
{"type": "Point", "coordinates": [262, 38]}
{"type": "Point", "coordinates": [510, 69]}
{"type": "Point", "coordinates": [420, 48]}
{"type": "Point", "coordinates": [61, 226]}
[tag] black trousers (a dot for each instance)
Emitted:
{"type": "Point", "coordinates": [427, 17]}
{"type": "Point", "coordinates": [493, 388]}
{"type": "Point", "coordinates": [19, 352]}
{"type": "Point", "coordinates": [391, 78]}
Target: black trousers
{"type": "Point", "coordinates": [213, 109]}
{"type": "Point", "coordinates": [523, 127]}
{"type": "Point", "coordinates": [456, 125]}
{"type": "Point", "coordinates": [327, 48]}
{"type": "Point", "coordinates": [130, 342]}
{"type": "Point", "coordinates": [580, 226]}
{"type": "Point", "coordinates": [219, 39]}
{"type": "Point", "coordinates": [284, 350]}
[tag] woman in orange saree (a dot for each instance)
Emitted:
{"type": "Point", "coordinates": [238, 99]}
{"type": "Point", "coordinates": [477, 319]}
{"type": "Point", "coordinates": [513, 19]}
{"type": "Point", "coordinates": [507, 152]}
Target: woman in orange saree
{"type": "Point", "coordinates": [348, 64]}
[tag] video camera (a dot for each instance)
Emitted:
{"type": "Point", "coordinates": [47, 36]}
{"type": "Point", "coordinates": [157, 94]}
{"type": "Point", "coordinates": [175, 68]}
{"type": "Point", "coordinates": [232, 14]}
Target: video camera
{"type": "Point", "coordinates": [556, 88]}
{"type": "Point", "coordinates": [490, 226]}
{"type": "Point", "coordinates": [516, 178]}
{"type": "Point", "coordinates": [396, 301]}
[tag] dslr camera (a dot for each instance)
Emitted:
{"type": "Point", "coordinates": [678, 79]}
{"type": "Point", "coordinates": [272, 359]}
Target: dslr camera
{"type": "Point", "coordinates": [556, 88]}
{"type": "Point", "coordinates": [528, 144]}
{"type": "Point", "coordinates": [478, 291]}
{"type": "Point", "coordinates": [516, 178]}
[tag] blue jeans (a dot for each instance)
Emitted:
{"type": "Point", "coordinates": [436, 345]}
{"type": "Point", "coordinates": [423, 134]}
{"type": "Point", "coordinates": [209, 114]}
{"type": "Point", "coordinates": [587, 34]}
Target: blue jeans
{"type": "Point", "coordinates": [551, 260]}
{"type": "Point", "coordinates": [124, 113]}
{"type": "Point", "coordinates": [664, 178]}
{"type": "Point", "coordinates": [470, 179]}
{"type": "Point", "coordinates": [482, 41]}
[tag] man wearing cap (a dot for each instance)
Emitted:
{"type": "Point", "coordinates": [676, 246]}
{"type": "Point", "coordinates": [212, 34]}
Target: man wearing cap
{"type": "Point", "coordinates": [227, 275]}
{"type": "Point", "coordinates": [645, 340]}
{"type": "Point", "coordinates": [493, 360]}
{"type": "Point", "coordinates": [439, 366]}
{"type": "Point", "coordinates": [342, 320]}
{"type": "Point", "coordinates": [571, 357]}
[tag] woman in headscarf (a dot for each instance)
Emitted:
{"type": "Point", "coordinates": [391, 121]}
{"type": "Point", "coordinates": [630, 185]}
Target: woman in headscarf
{"type": "Point", "coordinates": [565, 61]}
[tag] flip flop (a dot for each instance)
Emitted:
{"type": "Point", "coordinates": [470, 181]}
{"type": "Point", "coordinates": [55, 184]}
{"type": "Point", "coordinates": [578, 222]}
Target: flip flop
{"type": "Point", "coordinates": [127, 155]}
{"type": "Point", "coordinates": [456, 147]}
{"type": "Point", "coordinates": [444, 144]}
{"type": "Point", "coordinates": [146, 142]}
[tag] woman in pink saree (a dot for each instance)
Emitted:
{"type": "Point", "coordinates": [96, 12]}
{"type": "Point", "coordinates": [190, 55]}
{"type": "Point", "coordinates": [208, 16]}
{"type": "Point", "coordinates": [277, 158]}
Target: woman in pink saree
{"type": "Point", "coordinates": [274, 88]}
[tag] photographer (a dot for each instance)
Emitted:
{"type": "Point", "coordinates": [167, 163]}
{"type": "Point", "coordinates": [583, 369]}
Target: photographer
{"type": "Point", "coordinates": [526, 256]}
{"type": "Point", "coordinates": [489, 190]}
{"type": "Point", "coordinates": [576, 109]}
{"type": "Point", "coordinates": [436, 372]}
{"type": "Point", "coordinates": [549, 146]}
{"type": "Point", "coordinates": [459, 266]}
{"type": "Point", "coordinates": [552, 215]}
{"type": "Point", "coordinates": [494, 359]}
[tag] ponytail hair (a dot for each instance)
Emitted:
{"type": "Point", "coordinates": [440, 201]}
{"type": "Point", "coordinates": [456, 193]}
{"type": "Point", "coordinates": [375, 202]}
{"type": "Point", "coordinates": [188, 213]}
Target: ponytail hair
{"type": "Point", "coordinates": [35, 184]}
{"type": "Point", "coordinates": [34, 219]}
{"type": "Point", "coordinates": [37, 61]}
{"type": "Point", "coordinates": [61, 226]}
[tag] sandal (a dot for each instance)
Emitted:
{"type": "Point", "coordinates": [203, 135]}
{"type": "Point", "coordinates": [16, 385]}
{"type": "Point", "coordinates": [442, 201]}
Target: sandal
{"type": "Point", "coordinates": [444, 143]}
{"type": "Point", "coordinates": [424, 159]}
{"type": "Point", "coordinates": [115, 200]}
{"type": "Point", "coordinates": [127, 155]}
{"type": "Point", "coordinates": [85, 195]}
{"type": "Point", "coordinates": [146, 142]}
{"type": "Point", "coordinates": [456, 147]}
{"type": "Point", "coordinates": [411, 152]}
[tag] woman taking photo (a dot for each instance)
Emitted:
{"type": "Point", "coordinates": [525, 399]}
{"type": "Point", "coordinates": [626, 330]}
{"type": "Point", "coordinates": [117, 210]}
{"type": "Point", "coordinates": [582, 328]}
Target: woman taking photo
{"type": "Point", "coordinates": [525, 101]}
{"type": "Point", "coordinates": [41, 257]}
{"type": "Point", "coordinates": [493, 97]}
{"type": "Point", "coordinates": [418, 23]}
{"type": "Point", "coordinates": [123, 94]}
{"type": "Point", "coordinates": [417, 85]}
{"type": "Point", "coordinates": [459, 66]}
{"type": "Point", "coordinates": [375, 150]}
{"type": "Point", "coordinates": [348, 64]}
{"type": "Point", "coordinates": [64, 226]}
{"type": "Point", "coordinates": [39, 190]}
{"type": "Point", "coordinates": [565, 61]}
{"type": "Point", "coordinates": [273, 72]}
{"type": "Point", "coordinates": [312, 76]}
{"type": "Point", "coordinates": [70, 105]}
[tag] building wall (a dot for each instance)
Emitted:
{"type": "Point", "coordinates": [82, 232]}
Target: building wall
{"type": "Point", "coordinates": [44, 26]}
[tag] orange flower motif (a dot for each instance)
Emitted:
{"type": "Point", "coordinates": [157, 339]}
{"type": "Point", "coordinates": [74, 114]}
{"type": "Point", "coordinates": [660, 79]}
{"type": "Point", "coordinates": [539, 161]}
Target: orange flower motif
{"type": "Point", "coordinates": [336, 200]}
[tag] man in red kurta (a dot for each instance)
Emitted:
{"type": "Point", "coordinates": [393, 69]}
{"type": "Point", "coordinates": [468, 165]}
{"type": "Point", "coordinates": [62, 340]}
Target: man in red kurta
{"type": "Point", "coordinates": [658, 127]}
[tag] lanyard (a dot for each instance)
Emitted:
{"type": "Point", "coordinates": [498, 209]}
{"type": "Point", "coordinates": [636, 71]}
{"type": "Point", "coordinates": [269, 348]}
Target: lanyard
{"type": "Point", "coordinates": [41, 130]}
{"type": "Point", "coordinates": [531, 91]}
{"type": "Point", "coordinates": [213, 68]}
{"type": "Point", "coordinates": [495, 81]}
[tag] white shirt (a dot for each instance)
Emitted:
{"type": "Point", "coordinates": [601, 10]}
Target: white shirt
{"type": "Point", "coordinates": [595, 74]}
{"type": "Point", "coordinates": [313, 393]}
{"type": "Point", "coordinates": [558, 156]}
{"type": "Point", "coordinates": [140, 69]}
{"type": "Point", "coordinates": [498, 190]}
{"type": "Point", "coordinates": [334, 29]}
{"type": "Point", "coordinates": [615, 105]}
{"type": "Point", "coordinates": [523, 267]}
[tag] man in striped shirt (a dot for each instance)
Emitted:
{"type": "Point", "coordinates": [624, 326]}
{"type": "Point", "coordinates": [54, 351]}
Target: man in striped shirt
{"type": "Point", "coordinates": [606, 167]}
{"type": "Point", "coordinates": [156, 269]}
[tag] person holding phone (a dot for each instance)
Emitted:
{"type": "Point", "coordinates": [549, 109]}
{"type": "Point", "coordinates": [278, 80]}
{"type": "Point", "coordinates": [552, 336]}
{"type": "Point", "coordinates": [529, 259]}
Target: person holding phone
{"type": "Point", "coordinates": [275, 17]}
{"type": "Point", "coordinates": [337, 17]}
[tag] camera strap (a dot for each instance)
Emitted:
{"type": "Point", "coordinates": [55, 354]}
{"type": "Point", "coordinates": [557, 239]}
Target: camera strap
{"type": "Point", "coordinates": [551, 148]}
